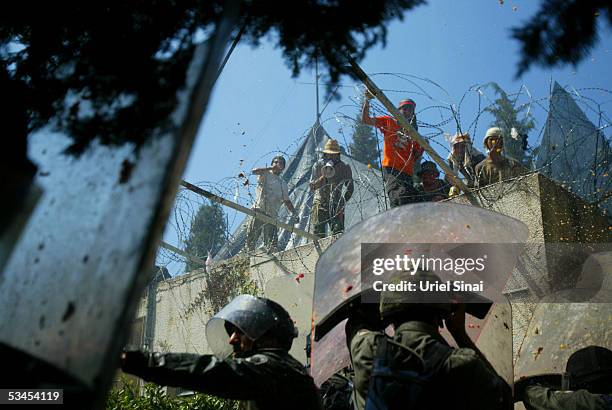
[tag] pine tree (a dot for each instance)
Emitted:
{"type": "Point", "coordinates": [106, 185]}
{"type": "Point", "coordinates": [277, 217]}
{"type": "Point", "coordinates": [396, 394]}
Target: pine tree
{"type": "Point", "coordinates": [364, 147]}
{"type": "Point", "coordinates": [207, 233]}
{"type": "Point", "coordinates": [507, 116]}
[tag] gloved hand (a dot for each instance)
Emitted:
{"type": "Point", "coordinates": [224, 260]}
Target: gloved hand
{"type": "Point", "coordinates": [134, 360]}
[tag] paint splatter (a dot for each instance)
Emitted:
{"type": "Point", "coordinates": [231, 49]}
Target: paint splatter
{"type": "Point", "coordinates": [537, 353]}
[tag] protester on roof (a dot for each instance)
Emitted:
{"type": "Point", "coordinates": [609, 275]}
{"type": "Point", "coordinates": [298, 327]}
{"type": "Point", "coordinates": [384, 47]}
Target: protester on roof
{"type": "Point", "coordinates": [332, 182]}
{"type": "Point", "coordinates": [272, 191]}
{"type": "Point", "coordinates": [495, 167]}
{"type": "Point", "coordinates": [431, 188]}
{"type": "Point", "coordinates": [463, 157]}
{"type": "Point", "coordinates": [400, 153]}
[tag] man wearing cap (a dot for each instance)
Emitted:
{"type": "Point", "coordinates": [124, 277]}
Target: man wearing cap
{"type": "Point", "coordinates": [457, 378]}
{"type": "Point", "coordinates": [400, 152]}
{"type": "Point", "coordinates": [464, 157]}
{"type": "Point", "coordinates": [272, 191]}
{"type": "Point", "coordinates": [250, 338]}
{"type": "Point", "coordinates": [431, 188]}
{"type": "Point", "coordinates": [589, 371]}
{"type": "Point", "coordinates": [496, 168]}
{"type": "Point", "coordinates": [332, 182]}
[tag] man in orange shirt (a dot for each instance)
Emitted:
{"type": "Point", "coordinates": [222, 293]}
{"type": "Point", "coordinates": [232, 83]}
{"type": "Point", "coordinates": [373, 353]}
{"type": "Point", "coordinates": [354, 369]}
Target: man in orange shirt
{"type": "Point", "coordinates": [400, 153]}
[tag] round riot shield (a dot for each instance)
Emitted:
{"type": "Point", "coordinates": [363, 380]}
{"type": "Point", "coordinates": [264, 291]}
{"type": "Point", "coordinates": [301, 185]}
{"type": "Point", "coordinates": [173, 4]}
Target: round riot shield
{"type": "Point", "coordinates": [569, 320]}
{"type": "Point", "coordinates": [447, 229]}
{"type": "Point", "coordinates": [253, 316]}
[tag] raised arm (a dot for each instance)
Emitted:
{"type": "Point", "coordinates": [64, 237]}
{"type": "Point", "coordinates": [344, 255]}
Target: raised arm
{"type": "Point", "coordinates": [365, 110]}
{"type": "Point", "coordinates": [261, 171]}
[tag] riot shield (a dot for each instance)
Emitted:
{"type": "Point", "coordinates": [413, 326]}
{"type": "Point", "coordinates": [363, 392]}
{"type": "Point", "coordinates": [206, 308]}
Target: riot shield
{"type": "Point", "coordinates": [444, 226]}
{"type": "Point", "coordinates": [492, 335]}
{"type": "Point", "coordinates": [294, 293]}
{"type": "Point", "coordinates": [569, 320]}
{"type": "Point", "coordinates": [78, 271]}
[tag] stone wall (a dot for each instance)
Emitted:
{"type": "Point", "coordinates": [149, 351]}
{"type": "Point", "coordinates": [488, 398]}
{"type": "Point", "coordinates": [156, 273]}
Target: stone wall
{"type": "Point", "coordinates": [552, 214]}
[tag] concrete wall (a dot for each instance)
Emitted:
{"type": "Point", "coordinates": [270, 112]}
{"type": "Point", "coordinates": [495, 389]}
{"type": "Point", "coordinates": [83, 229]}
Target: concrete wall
{"type": "Point", "coordinates": [556, 219]}
{"type": "Point", "coordinates": [551, 213]}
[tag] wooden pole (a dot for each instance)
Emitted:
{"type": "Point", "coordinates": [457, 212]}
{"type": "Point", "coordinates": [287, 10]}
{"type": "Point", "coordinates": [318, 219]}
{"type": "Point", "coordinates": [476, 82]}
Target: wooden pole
{"type": "Point", "coordinates": [176, 250]}
{"type": "Point", "coordinates": [255, 214]}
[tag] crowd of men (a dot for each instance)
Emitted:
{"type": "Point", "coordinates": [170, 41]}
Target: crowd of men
{"type": "Point", "coordinates": [331, 181]}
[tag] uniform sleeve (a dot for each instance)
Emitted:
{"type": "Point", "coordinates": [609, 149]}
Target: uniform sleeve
{"type": "Point", "coordinates": [537, 397]}
{"type": "Point", "coordinates": [240, 379]}
{"type": "Point", "coordinates": [482, 388]}
{"type": "Point", "coordinates": [362, 349]}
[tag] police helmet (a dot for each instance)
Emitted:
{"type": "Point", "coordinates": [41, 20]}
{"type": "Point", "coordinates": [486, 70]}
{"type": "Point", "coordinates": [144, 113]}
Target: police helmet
{"type": "Point", "coordinates": [255, 317]}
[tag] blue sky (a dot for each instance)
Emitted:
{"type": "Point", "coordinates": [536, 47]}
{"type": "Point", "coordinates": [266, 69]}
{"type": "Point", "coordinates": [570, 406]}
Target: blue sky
{"type": "Point", "coordinates": [258, 109]}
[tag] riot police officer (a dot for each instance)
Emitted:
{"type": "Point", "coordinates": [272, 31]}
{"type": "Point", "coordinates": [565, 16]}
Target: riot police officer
{"type": "Point", "coordinates": [416, 368]}
{"type": "Point", "coordinates": [589, 375]}
{"type": "Point", "coordinates": [250, 338]}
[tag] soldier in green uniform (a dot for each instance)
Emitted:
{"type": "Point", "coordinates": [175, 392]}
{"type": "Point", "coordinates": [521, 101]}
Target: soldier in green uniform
{"type": "Point", "coordinates": [590, 384]}
{"type": "Point", "coordinates": [332, 182]}
{"type": "Point", "coordinates": [251, 338]}
{"type": "Point", "coordinates": [495, 167]}
{"type": "Point", "coordinates": [457, 378]}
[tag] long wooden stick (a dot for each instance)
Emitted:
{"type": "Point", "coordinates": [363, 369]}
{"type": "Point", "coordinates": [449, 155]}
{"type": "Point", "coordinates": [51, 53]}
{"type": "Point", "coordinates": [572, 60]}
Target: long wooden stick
{"type": "Point", "coordinates": [176, 250]}
{"type": "Point", "coordinates": [255, 214]}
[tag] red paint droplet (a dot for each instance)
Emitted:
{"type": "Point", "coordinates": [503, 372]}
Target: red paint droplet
{"type": "Point", "coordinates": [471, 326]}
{"type": "Point", "coordinates": [349, 288]}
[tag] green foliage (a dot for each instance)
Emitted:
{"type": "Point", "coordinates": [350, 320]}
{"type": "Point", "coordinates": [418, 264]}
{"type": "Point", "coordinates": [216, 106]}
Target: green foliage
{"type": "Point", "coordinates": [364, 147]}
{"type": "Point", "coordinates": [207, 232]}
{"type": "Point", "coordinates": [127, 397]}
{"type": "Point", "coordinates": [561, 32]}
{"type": "Point", "coordinates": [224, 281]}
{"type": "Point", "coordinates": [506, 115]}
{"type": "Point", "coordinates": [228, 280]}
{"type": "Point", "coordinates": [111, 70]}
